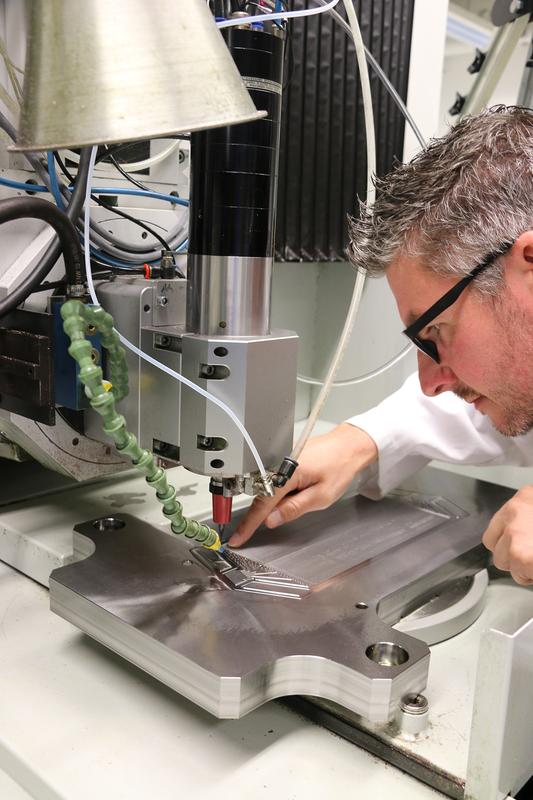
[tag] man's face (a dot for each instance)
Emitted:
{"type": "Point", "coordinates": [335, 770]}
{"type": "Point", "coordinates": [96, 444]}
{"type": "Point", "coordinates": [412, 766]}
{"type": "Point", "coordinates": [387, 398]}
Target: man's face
{"type": "Point", "coordinates": [485, 345]}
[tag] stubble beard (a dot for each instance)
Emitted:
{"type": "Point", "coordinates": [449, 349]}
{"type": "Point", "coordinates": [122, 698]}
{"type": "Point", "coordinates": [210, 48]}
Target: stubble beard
{"type": "Point", "coordinates": [516, 411]}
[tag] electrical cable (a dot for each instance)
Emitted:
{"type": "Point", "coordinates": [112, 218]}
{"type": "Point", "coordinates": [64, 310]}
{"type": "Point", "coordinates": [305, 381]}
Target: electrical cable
{"type": "Point", "coordinates": [124, 174]}
{"type": "Point", "coordinates": [21, 292]}
{"type": "Point", "coordinates": [169, 198]}
{"type": "Point", "coordinates": [304, 12]}
{"type": "Point", "coordinates": [144, 253]}
{"type": "Point", "coordinates": [370, 193]}
{"type": "Point", "coordinates": [112, 262]}
{"type": "Point", "coordinates": [123, 214]}
{"type": "Point", "coordinates": [124, 250]}
{"type": "Point", "coordinates": [145, 356]}
{"type": "Point", "coordinates": [54, 184]}
{"type": "Point", "coordinates": [30, 187]}
{"type": "Point", "coordinates": [14, 208]}
{"type": "Point", "coordinates": [138, 166]}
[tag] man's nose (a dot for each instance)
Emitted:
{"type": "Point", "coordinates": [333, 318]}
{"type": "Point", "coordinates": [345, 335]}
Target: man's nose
{"type": "Point", "coordinates": [435, 378]}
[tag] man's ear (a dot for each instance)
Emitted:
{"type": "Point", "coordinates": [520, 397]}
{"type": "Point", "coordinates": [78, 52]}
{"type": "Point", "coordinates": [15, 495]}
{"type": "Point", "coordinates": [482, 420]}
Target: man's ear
{"type": "Point", "coordinates": [523, 248]}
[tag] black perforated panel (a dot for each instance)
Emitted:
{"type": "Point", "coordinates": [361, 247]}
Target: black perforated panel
{"type": "Point", "coordinates": [323, 152]}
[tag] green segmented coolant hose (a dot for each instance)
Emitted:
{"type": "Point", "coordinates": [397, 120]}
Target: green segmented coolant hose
{"type": "Point", "coordinates": [77, 318]}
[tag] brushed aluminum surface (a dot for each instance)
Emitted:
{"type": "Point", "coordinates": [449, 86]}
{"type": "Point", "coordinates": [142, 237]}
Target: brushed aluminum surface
{"type": "Point", "coordinates": [259, 386]}
{"type": "Point", "coordinates": [125, 70]}
{"type": "Point", "coordinates": [228, 295]}
{"type": "Point", "coordinates": [145, 595]}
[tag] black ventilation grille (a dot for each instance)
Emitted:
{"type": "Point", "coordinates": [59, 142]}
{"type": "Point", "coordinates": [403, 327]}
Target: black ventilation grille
{"type": "Point", "coordinates": [323, 153]}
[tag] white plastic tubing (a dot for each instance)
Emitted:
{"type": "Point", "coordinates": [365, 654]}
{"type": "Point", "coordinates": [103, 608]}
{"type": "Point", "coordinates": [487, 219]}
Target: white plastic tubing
{"type": "Point", "coordinates": [360, 278]}
{"type": "Point", "coordinates": [134, 349]}
{"type": "Point", "coordinates": [304, 12]}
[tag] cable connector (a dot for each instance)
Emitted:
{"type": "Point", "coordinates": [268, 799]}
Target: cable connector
{"type": "Point", "coordinates": [285, 472]}
{"type": "Point", "coordinates": [76, 290]}
{"type": "Point", "coordinates": [167, 266]}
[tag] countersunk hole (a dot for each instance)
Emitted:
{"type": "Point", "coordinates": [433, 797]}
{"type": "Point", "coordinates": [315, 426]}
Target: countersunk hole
{"type": "Point", "coordinates": [146, 307]}
{"type": "Point", "coordinates": [387, 654]}
{"type": "Point", "coordinates": [216, 463]}
{"type": "Point", "coordinates": [362, 606]}
{"type": "Point", "coordinates": [221, 351]}
{"type": "Point", "coordinates": [75, 442]}
{"type": "Point", "coordinates": [222, 324]}
{"type": "Point", "coordinates": [144, 235]}
{"type": "Point", "coordinates": [108, 524]}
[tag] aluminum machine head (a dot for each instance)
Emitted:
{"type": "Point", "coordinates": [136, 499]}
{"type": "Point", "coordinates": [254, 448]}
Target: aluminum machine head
{"type": "Point", "coordinates": [230, 349]}
{"type": "Point", "coordinates": [213, 326]}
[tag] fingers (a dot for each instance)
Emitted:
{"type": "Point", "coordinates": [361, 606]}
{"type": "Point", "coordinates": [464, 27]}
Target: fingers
{"type": "Point", "coordinates": [495, 529]}
{"type": "Point", "coordinates": [274, 511]}
{"type": "Point", "coordinates": [294, 506]}
{"type": "Point", "coordinates": [521, 579]}
{"type": "Point", "coordinates": [501, 554]}
{"type": "Point", "coordinates": [258, 511]}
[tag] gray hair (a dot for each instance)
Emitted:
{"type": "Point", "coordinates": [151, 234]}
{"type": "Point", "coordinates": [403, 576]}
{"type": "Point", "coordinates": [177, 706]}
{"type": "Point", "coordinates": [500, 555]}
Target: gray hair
{"type": "Point", "coordinates": [460, 199]}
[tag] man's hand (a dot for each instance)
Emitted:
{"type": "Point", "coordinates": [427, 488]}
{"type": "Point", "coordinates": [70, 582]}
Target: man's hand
{"type": "Point", "coordinates": [510, 536]}
{"type": "Point", "coordinates": [326, 468]}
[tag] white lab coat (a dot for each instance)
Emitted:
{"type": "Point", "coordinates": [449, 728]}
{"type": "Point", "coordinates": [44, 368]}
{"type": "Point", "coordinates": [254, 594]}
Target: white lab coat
{"type": "Point", "coordinates": [411, 429]}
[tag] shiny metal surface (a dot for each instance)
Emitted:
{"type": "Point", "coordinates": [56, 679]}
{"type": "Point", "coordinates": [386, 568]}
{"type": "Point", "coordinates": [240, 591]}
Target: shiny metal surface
{"type": "Point", "coordinates": [62, 448]}
{"type": "Point", "coordinates": [228, 295]}
{"type": "Point", "coordinates": [113, 72]}
{"type": "Point", "coordinates": [143, 595]}
{"type": "Point", "coordinates": [152, 404]}
{"type": "Point", "coordinates": [258, 385]}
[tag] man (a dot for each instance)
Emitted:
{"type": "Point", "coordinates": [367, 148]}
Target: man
{"type": "Point", "coordinates": [453, 232]}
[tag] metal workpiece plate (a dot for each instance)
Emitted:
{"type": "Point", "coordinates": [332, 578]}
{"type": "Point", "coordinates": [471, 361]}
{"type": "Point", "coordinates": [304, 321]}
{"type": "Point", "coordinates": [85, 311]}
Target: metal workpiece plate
{"type": "Point", "coordinates": [305, 610]}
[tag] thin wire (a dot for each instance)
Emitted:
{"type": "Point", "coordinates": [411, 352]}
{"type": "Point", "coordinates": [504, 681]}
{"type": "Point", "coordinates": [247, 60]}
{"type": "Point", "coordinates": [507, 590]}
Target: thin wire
{"type": "Point", "coordinates": [145, 356]}
{"type": "Point", "coordinates": [124, 174]}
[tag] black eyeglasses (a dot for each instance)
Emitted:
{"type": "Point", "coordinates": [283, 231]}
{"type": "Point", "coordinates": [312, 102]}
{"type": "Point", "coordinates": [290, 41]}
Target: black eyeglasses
{"type": "Point", "coordinates": [426, 345]}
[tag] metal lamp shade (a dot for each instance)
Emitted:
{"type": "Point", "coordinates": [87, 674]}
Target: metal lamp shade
{"type": "Point", "coordinates": [100, 71]}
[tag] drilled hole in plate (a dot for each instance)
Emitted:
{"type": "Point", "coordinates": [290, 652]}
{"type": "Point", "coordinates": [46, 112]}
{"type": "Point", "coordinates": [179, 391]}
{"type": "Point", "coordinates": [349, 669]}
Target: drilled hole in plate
{"type": "Point", "coordinates": [362, 606]}
{"type": "Point", "coordinates": [387, 654]}
{"type": "Point", "coordinates": [108, 524]}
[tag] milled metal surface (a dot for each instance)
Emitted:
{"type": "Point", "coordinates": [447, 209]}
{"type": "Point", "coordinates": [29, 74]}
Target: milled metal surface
{"type": "Point", "coordinates": [146, 596]}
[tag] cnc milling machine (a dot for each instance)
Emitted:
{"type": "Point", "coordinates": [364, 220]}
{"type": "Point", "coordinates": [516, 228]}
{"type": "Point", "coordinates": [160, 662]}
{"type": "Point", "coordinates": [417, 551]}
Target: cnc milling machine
{"type": "Point", "coordinates": [338, 612]}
